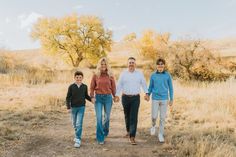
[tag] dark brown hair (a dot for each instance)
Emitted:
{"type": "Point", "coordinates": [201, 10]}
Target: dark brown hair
{"type": "Point", "coordinates": [131, 58]}
{"type": "Point", "coordinates": [79, 73]}
{"type": "Point", "coordinates": [161, 60]}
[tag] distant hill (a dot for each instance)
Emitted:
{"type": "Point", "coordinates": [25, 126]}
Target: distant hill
{"type": "Point", "coordinates": [225, 47]}
{"type": "Point", "coordinates": [36, 57]}
{"type": "Point", "coordinates": [119, 54]}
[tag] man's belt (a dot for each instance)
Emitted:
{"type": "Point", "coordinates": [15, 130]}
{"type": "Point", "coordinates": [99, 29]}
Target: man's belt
{"type": "Point", "coordinates": [130, 95]}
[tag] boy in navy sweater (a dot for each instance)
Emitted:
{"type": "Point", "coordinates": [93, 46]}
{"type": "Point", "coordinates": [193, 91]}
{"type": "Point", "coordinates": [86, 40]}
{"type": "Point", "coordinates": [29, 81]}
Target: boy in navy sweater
{"type": "Point", "coordinates": [161, 89]}
{"type": "Point", "coordinates": [75, 102]}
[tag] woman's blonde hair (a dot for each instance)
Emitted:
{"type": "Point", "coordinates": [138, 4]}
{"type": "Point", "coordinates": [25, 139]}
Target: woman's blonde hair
{"type": "Point", "coordinates": [98, 69]}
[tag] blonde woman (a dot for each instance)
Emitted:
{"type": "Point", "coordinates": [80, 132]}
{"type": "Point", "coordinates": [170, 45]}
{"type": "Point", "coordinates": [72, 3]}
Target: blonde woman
{"type": "Point", "coordinates": [102, 89]}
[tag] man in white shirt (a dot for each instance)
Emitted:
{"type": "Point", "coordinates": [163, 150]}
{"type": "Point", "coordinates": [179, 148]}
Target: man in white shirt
{"type": "Point", "coordinates": [129, 84]}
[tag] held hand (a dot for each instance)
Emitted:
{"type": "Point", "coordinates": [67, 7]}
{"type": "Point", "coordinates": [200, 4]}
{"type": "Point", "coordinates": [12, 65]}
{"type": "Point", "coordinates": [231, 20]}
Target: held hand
{"type": "Point", "coordinates": [68, 109]}
{"type": "Point", "coordinates": [93, 100]}
{"type": "Point", "coordinates": [116, 99]}
{"type": "Point", "coordinates": [147, 97]}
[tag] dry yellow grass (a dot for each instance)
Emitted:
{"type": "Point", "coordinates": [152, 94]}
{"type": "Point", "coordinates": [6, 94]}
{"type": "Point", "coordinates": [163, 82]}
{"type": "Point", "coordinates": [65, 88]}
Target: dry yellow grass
{"type": "Point", "coordinates": [203, 119]}
{"type": "Point", "coordinates": [202, 122]}
{"type": "Point", "coordinates": [24, 107]}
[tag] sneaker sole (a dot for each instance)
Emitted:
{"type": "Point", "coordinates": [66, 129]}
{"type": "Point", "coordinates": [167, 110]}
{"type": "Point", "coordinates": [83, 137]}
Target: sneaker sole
{"type": "Point", "coordinates": [133, 143]}
{"type": "Point", "coordinates": [77, 146]}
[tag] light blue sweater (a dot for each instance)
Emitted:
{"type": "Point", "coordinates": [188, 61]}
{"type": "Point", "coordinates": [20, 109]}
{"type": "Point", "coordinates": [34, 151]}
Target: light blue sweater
{"type": "Point", "coordinates": [161, 86]}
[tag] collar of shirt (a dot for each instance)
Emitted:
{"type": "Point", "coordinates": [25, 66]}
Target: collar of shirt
{"type": "Point", "coordinates": [132, 71]}
{"type": "Point", "coordinates": [78, 85]}
{"type": "Point", "coordinates": [157, 72]}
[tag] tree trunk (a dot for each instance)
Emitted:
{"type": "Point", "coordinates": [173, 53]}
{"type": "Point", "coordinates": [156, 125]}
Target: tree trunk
{"type": "Point", "coordinates": [78, 60]}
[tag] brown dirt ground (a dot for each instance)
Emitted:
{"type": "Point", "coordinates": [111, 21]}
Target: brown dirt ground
{"type": "Point", "coordinates": [56, 139]}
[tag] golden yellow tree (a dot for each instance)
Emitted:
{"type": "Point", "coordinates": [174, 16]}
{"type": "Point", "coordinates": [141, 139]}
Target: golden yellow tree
{"type": "Point", "coordinates": [153, 45]}
{"type": "Point", "coordinates": [74, 38]}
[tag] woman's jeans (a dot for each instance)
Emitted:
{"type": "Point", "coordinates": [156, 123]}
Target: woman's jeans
{"type": "Point", "coordinates": [103, 101]}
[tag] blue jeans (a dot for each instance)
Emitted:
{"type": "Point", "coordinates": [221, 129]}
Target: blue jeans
{"type": "Point", "coordinates": [103, 101]}
{"type": "Point", "coordinates": [77, 115]}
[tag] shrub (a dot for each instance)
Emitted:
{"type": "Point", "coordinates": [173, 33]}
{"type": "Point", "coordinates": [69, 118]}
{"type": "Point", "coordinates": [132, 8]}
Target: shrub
{"type": "Point", "coordinates": [186, 59]}
{"type": "Point", "coordinates": [191, 60]}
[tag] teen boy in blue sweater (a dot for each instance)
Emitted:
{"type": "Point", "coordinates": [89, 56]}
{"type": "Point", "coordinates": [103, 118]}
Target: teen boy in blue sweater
{"type": "Point", "coordinates": [161, 89]}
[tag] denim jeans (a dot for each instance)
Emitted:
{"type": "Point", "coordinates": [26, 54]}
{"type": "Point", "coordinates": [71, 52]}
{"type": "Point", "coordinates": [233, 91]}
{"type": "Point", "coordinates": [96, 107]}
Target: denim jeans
{"type": "Point", "coordinates": [131, 107]}
{"type": "Point", "coordinates": [159, 106]}
{"type": "Point", "coordinates": [103, 101]}
{"type": "Point", "coordinates": [77, 115]}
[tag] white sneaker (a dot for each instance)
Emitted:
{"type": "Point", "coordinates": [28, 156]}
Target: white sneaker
{"type": "Point", "coordinates": [77, 145]}
{"type": "Point", "coordinates": [161, 138]}
{"type": "Point", "coordinates": [153, 130]}
{"type": "Point", "coordinates": [101, 143]}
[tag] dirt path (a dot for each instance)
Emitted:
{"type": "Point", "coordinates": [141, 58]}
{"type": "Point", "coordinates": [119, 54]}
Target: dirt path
{"type": "Point", "coordinates": [56, 140]}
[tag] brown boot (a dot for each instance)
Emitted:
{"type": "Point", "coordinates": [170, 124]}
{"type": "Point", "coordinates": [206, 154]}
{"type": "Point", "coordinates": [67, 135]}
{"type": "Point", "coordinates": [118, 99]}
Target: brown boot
{"type": "Point", "coordinates": [132, 141]}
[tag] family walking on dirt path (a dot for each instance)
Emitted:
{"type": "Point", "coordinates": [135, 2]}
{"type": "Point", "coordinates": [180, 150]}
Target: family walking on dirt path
{"type": "Point", "coordinates": [103, 91]}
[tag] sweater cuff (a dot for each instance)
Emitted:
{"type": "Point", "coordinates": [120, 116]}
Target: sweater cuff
{"type": "Point", "coordinates": [68, 106]}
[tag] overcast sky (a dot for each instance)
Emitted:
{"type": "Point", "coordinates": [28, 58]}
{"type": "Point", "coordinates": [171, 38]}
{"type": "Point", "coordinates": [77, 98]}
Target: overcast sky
{"type": "Point", "coordinates": [208, 19]}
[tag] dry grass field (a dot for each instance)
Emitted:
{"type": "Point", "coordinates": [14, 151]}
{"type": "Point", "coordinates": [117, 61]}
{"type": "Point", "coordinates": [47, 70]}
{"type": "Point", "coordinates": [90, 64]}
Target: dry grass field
{"type": "Point", "coordinates": [34, 121]}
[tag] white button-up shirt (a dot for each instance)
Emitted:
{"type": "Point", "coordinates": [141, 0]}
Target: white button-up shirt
{"type": "Point", "coordinates": [130, 82]}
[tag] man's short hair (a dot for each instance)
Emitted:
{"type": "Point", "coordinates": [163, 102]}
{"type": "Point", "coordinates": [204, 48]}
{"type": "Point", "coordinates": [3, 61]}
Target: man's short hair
{"type": "Point", "coordinates": [131, 58]}
{"type": "Point", "coordinates": [79, 73]}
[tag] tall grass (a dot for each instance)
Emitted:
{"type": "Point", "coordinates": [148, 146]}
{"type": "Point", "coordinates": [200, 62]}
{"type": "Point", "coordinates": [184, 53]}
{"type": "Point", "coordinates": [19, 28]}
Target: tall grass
{"type": "Point", "coordinates": [205, 114]}
{"type": "Point", "coordinates": [24, 109]}
{"type": "Point", "coordinates": [13, 71]}
{"type": "Point", "coordinates": [209, 101]}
